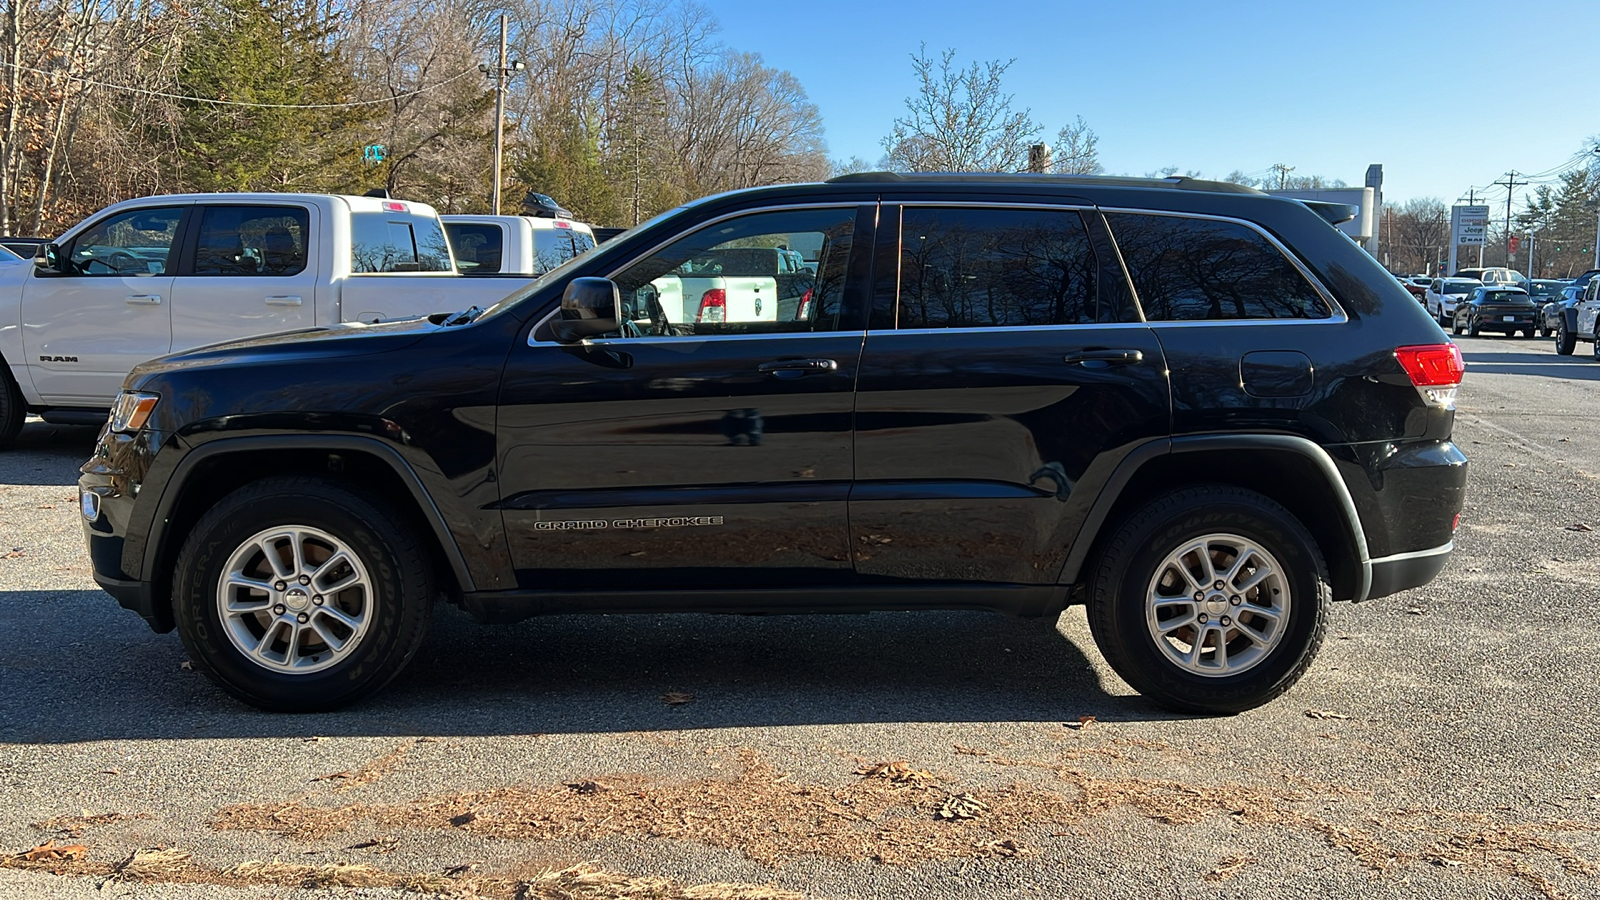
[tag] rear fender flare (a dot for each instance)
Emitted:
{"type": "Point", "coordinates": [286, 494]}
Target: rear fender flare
{"type": "Point", "coordinates": [1128, 470]}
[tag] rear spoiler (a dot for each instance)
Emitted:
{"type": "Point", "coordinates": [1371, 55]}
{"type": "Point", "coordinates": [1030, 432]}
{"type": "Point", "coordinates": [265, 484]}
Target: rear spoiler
{"type": "Point", "coordinates": [1333, 213]}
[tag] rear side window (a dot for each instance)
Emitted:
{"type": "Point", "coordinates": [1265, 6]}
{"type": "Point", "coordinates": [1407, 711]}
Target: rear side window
{"type": "Point", "coordinates": [396, 242]}
{"type": "Point", "coordinates": [1188, 269]}
{"type": "Point", "coordinates": [478, 248]}
{"type": "Point", "coordinates": [252, 240]}
{"type": "Point", "coordinates": [552, 247]}
{"type": "Point", "coordinates": [995, 268]}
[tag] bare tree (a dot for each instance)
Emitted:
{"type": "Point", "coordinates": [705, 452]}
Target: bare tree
{"type": "Point", "coordinates": [960, 120]}
{"type": "Point", "coordinates": [1076, 151]}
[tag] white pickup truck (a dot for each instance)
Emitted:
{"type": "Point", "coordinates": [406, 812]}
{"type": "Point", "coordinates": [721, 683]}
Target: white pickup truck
{"type": "Point", "coordinates": [152, 276]}
{"type": "Point", "coordinates": [515, 245]}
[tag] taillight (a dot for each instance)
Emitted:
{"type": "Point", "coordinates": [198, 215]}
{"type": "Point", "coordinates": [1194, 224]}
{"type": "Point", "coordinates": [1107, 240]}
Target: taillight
{"type": "Point", "coordinates": [1435, 370]}
{"type": "Point", "coordinates": [804, 315]}
{"type": "Point", "coordinates": [713, 306]}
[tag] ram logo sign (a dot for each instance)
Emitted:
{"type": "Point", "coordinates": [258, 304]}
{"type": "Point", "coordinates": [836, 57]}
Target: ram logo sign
{"type": "Point", "coordinates": [58, 359]}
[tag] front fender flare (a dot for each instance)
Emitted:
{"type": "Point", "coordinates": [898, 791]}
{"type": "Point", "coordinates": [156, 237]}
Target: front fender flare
{"type": "Point", "coordinates": [173, 489]}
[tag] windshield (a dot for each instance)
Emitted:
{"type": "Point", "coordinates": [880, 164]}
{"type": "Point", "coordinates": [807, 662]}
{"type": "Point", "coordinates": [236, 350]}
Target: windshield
{"type": "Point", "coordinates": [1503, 297]}
{"type": "Point", "coordinates": [1460, 287]}
{"type": "Point", "coordinates": [1544, 288]}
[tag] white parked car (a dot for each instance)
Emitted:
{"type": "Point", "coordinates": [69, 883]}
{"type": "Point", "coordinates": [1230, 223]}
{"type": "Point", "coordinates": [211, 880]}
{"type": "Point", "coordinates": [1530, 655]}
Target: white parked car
{"type": "Point", "coordinates": [1443, 295]}
{"type": "Point", "coordinates": [148, 277]}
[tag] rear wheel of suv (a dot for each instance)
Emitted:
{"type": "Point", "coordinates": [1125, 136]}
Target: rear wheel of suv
{"type": "Point", "coordinates": [1566, 341]}
{"type": "Point", "coordinates": [13, 409]}
{"type": "Point", "coordinates": [297, 594]}
{"type": "Point", "coordinates": [1210, 599]}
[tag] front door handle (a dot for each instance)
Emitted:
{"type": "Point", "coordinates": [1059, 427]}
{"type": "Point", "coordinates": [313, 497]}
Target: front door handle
{"type": "Point", "coordinates": [1099, 359]}
{"type": "Point", "coordinates": [796, 368]}
{"type": "Point", "coordinates": [144, 299]}
{"type": "Point", "coordinates": [283, 301]}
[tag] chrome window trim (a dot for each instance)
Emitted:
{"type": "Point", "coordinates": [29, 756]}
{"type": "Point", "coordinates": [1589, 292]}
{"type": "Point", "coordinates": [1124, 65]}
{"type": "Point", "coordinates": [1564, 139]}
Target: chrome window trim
{"type": "Point", "coordinates": [701, 338]}
{"type": "Point", "coordinates": [785, 207]}
{"type": "Point", "coordinates": [1337, 317]}
{"type": "Point", "coordinates": [1006, 329]}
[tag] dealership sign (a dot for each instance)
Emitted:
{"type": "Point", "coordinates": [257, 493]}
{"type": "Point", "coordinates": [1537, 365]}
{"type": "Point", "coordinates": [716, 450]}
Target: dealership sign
{"type": "Point", "coordinates": [1469, 224]}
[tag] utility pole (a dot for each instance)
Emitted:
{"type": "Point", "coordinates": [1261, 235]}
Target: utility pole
{"type": "Point", "coordinates": [1511, 188]}
{"type": "Point", "coordinates": [500, 73]}
{"type": "Point", "coordinates": [1283, 175]}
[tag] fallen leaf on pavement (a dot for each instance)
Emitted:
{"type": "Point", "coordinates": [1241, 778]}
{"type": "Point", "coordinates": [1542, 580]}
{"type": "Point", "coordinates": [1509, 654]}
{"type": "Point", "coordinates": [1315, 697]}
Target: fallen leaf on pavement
{"type": "Point", "coordinates": [587, 787]}
{"type": "Point", "coordinates": [1580, 526]}
{"type": "Point", "coordinates": [961, 806]}
{"type": "Point", "coordinates": [1324, 714]}
{"type": "Point", "coordinates": [52, 850]}
{"type": "Point", "coordinates": [1082, 722]}
{"type": "Point", "coordinates": [1229, 867]}
{"type": "Point", "coordinates": [899, 772]}
{"type": "Point", "coordinates": [186, 665]}
{"type": "Point", "coordinates": [676, 698]}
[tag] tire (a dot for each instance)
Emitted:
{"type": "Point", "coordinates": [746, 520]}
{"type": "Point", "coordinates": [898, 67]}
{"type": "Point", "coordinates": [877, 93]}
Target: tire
{"type": "Point", "coordinates": [1455, 326]}
{"type": "Point", "coordinates": [1566, 341]}
{"type": "Point", "coordinates": [1128, 577]}
{"type": "Point", "coordinates": [13, 408]}
{"type": "Point", "coordinates": [1472, 328]}
{"type": "Point", "coordinates": [1544, 332]}
{"type": "Point", "coordinates": [384, 614]}
{"type": "Point", "coordinates": [1594, 347]}
{"type": "Point", "coordinates": [1530, 332]}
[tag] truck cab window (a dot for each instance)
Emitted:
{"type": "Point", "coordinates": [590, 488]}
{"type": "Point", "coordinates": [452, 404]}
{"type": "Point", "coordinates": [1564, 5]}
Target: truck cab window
{"type": "Point", "coordinates": [252, 240]}
{"type": "Point", "coordinates": [138, 242]}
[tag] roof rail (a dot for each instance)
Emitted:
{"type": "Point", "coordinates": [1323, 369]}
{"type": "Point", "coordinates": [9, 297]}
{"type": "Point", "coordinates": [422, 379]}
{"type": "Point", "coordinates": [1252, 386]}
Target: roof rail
{"type": "Point", "coordinates": [1176, 182]}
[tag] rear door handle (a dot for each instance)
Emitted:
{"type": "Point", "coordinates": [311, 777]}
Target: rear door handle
{"type": "Point", "coordinates": [1099, 359]}
{"type": "Point", "coordinates": [796, 368]}
{"type": "Point", "coordinates": [144, 299]}
{"type": "Point", "coordinates": [283, 301]}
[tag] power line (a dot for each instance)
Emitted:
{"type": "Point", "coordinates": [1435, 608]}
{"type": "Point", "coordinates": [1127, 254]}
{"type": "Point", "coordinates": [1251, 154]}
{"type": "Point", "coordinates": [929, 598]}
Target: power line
{"type": "Point", "coordinates": [169, 96]}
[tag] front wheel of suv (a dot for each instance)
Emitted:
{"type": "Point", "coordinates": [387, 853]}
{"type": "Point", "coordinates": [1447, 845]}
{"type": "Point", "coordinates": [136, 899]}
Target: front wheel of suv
{"type": "Point", "coordinates": [1566, 341]}
{"type": "Point", "coordinates": [1210, 599]}
{"type": "Point", "coordinates": [298, 594]}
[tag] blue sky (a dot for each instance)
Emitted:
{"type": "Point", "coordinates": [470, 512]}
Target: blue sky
{"type": "Point", "coordinates": [1219, 85]}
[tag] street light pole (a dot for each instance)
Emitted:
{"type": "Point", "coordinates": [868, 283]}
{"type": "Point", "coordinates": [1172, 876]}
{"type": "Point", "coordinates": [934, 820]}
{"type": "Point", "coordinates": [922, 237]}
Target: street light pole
{"type": "Point", "coordinates": [500, 74]}
{"type": "Point", "coordinates": [499, 115]}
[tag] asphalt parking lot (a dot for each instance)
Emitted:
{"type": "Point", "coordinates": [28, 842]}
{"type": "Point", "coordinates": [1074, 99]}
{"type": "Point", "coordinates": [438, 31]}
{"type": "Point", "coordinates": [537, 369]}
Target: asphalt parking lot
{"type": "Point", "coordinates": [1444, 745]}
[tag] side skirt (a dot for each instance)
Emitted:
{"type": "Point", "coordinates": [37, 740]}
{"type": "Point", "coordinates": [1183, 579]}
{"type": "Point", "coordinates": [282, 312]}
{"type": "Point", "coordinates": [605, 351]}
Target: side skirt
{"type": "Point", "coordinates": [1027, 601]}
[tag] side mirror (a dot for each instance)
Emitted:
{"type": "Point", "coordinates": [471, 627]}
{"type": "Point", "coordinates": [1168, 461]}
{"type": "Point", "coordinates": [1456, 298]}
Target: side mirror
{"type": "Point", "coordinates": [588, 309]}
{"type": "Point", "coordinates": [48, 260]}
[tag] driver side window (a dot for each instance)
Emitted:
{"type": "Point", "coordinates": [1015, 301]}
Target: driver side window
{"type": "Point", "coordinates": [763, 273]}
{"type": "Point", "coordinates": [137, 242]}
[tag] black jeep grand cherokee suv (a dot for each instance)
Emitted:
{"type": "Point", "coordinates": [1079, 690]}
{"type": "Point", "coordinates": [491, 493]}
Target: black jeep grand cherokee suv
{"type": "Point", "coordinates": [1199, 410]}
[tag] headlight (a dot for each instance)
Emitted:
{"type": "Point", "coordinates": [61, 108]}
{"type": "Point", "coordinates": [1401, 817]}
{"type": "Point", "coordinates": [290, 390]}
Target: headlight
{"type": "Point", "coordinates": [133, 409]}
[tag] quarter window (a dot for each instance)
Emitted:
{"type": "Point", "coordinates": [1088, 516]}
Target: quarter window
{"type": "Point", "coordinates": [995, 268]}
{"type": "Point", "coordinates": [252, 240]}
{"type": "Point", "coordinates": [764, 273]}
{"type": "Point", "coordinates": [1188, 269]}
{"type": "Point", "coordinates": [138, 242]}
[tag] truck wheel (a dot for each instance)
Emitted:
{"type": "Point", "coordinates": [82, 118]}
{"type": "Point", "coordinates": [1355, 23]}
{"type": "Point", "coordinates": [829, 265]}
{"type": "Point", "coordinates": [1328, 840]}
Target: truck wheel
{"type": "Point", "coordinates": [1566, 341]}
{"type": "Point", "coordinates": [1210, 599]}
{"type": "Point", "coordinates": [297, 594]}
{"type": "Point", "coordinates": [13, 409]}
